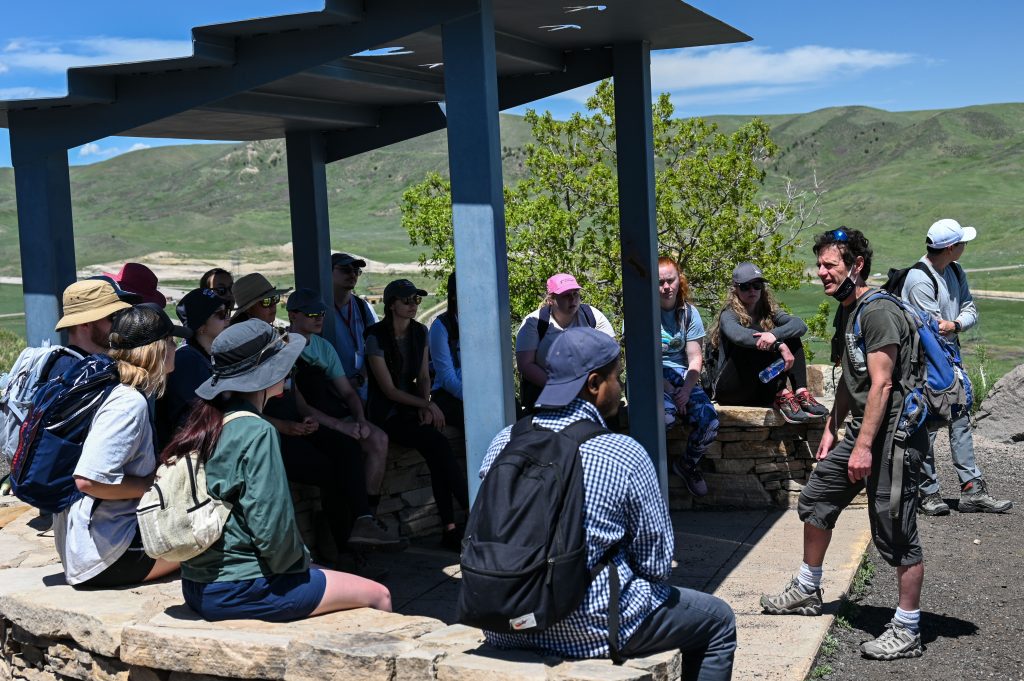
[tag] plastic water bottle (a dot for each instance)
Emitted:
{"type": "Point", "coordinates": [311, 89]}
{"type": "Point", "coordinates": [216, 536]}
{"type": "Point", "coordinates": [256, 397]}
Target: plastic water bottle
{"type": "Point", "coordinates": [772, 370]}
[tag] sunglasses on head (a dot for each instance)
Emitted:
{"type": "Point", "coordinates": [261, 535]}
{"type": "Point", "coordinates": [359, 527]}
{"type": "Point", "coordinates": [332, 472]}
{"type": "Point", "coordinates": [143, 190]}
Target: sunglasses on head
{"type": "Point", "coordinates": [314, 315]}
{"type": "Point", "coordinates": [412, 300]}
{"type": "Point", "coordinates": [756, 285]}
{"type": "Point", "coordinates": [838, 235]}
{"type": "Point", "coordinates": [270, 302]}
{"type": "Point", "coordinates": [347, 269]}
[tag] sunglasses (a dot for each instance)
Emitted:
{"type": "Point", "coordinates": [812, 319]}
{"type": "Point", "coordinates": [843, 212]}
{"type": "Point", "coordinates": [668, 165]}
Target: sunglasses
{"type": "Point", "coordinates": [838, 235]}
{"type": "Point", "coordinates": [412, 300]}
{"type": "Point", "coordinates": [756, 285]}
{"type": "Point", "coordinates": [220, 314]}
{"type": "Point", "coordinates": [270, 302]}
{"type": "Point", "coordinates": [349, 270]}
{"type": "Point", "coordinates": [314, 315]}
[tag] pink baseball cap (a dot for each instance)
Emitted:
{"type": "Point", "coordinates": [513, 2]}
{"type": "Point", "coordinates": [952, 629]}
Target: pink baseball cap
{"type": "Point", "coordinates": [561, 282]}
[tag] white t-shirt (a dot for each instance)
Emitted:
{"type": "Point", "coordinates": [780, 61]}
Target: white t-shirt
{"type": "Point", "coordinates": [527, 336]}
{"type": "Point", "coordinates": [92, 534]}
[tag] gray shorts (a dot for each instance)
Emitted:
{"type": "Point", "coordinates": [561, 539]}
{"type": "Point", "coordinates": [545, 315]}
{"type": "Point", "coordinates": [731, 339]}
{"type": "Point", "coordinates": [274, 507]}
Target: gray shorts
{"type": "Point", "coordinates": [829, 491]}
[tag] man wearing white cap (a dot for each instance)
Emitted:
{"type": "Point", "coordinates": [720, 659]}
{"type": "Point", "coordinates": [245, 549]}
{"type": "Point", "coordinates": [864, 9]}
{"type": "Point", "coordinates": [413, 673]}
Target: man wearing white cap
{"type": "Point", "coordinates": [938, 286]}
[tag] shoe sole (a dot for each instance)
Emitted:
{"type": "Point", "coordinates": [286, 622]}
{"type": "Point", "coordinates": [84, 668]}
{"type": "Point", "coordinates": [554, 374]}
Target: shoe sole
{"type": "Point", "coordinates": [805, 610]}
{"type": "Point", "coordinates": [888, 657]}
{"type": "Point", "coordinates": [934, 514]}
{"type": "Point", "coordinates": [983, 509]}
{"type": "Point", "coordinates": [789, 419]}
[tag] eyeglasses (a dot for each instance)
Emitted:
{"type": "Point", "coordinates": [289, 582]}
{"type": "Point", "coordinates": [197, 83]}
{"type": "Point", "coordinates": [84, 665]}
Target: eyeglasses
{"type": "Point", "coordinates": [756, 285]}
{"type": "Point", "coordinates": [222, 290]}
{"type": "Point", "coordinates": [838, 235]}
{"type": "Point", "coordinates": [314, 315]}
{"type": "Point", "coordinates": [344, 269]}
{"type": "Point", "coordinates": [220, 314]}
{"type": "Point", "coordinates": [270, 302]}
{"type": "Point", "coordinates": [412, 300]}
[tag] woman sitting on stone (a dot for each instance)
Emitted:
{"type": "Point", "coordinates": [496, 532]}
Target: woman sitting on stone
{"type": "Point", "coordinates": [561, 309]}
{"type": "Point", "coordinates": [98, 538]}
{"type": "Point", "coordinates": [259, 568]}
{"type": "Point", "coordinates": [397, 357]}
{"type": "Point", "coordinates": [749, 335]}
{"type": "Point", "coordinates": [682, 332]}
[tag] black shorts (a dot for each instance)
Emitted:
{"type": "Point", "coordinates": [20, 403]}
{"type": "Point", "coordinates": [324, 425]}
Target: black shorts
{"type": "Point", "coordinates": [130, 569]}
{"type": "Point", "coordinates": [829, 491]}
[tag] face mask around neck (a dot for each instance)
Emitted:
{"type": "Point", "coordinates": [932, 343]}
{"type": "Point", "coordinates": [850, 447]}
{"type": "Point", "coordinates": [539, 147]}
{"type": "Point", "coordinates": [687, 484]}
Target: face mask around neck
{"type": "Point", "coordinates": [846, 289]}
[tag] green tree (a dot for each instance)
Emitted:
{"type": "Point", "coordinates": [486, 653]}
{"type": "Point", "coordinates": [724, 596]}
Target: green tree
{"type": "Point", "coordinates": [563, 217]}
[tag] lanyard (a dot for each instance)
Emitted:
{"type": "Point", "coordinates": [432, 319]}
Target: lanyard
{"type": "Point", "coordinates": [348, 323]}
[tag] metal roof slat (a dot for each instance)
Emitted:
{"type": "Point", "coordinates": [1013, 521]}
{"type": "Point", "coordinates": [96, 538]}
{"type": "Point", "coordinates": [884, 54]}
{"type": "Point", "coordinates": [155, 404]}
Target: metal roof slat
{"type": "Point", "coordinates": [330, 114]}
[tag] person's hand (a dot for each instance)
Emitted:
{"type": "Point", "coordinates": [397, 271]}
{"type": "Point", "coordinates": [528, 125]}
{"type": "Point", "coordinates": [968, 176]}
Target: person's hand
{"type": "Point", "coordinates": [680, 397]}
{"type": "Point", "coordinates": [291, 428]}
{"type": "Point", "coordinates": [349, 428]}
{"type": "Point", "coordinates": [309, 425]}
{"type": "Point", "coordinates": [787, 356]}
{"type": "Point", "coordinates": [364, 429]}
{"type": "Point", "coordinates": [437, 416]}
{"type": "Point", "coordinates": [426, 416]}
{"type": "Point", "coordinates": [828, 438]}
{"type": "Point", "coordinates": [765, 340]}
{"type": "Point", "coordinates": [946, 327]}
{"type": "Point", "coordinates": [859, 466]}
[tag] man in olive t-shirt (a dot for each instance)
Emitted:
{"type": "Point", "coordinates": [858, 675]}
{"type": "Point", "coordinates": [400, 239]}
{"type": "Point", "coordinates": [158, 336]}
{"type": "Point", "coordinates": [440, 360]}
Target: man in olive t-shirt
{"type": "Point", "coordinates": [872, 395]}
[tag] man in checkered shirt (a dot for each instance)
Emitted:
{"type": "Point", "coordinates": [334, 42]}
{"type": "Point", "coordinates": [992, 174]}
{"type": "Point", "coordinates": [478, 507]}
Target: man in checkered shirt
{"type": "Point", "coordinates": [622, 505]}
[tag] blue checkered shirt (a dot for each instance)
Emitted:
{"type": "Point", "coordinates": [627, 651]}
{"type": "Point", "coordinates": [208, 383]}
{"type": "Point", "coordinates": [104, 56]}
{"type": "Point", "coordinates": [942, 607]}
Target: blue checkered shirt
{"type": "Point", "coordinates": [622, 503]}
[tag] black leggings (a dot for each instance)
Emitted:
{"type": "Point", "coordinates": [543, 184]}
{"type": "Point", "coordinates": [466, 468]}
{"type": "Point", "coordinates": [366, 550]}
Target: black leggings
{"type": "Point", "coordinates": [446, 477]}
{"type": "Point", "coordinates": [334, 463]}
{"type": "Point", "coordinates": [450, 406]}
{"type": "Point", "coordinates": [739, 385]}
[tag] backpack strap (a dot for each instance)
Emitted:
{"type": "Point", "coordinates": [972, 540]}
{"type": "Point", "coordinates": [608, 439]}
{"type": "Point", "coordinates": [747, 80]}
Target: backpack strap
{"type": "Point", "coordinates": [240, 414]}
{"type": "Point", "coordinates": [584, 430]}
{"type": "Point", "coordinates": [364, 311]}
{"type": "Point", "coordinates": [683, 320]}
{"type": "Point", "coordinates": [924, 268]}
{"type": "Point", "coordinates": [452, 327]}
{"type": "Point", "coordinates": [543, 322]}
{"type": "Point", "coordinates": [588, 315]}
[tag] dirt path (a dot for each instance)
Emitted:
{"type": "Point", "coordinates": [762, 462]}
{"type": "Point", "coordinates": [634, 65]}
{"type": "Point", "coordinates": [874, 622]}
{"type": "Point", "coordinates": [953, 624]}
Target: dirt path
{"type": "Point", "coordinates": [973, 592]}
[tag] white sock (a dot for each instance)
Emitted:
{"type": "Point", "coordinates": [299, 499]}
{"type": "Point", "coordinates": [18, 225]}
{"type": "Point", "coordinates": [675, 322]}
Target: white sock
{"type": "Point", "coordinates": [910, 619]}
{"type": "Point", "coordinates": [809, 578]}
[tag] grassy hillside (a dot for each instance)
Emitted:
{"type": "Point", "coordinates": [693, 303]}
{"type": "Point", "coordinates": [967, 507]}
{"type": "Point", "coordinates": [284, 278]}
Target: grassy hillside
{"type": "Point", "coordinates": [890, 174]}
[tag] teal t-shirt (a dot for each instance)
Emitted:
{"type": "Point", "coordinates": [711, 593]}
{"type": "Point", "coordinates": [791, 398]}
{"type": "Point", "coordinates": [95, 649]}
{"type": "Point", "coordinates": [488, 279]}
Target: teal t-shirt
{"type": "Point", "coordinates": [321, 354]}
{"type": "Point", "coordinates": [674, 339]}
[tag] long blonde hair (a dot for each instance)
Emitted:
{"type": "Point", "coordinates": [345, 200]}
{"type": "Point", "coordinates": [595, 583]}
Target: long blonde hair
{"type": "Point", "coordinates": [143, 367]}
{"type": "Point", "coordinates": [765, 310]}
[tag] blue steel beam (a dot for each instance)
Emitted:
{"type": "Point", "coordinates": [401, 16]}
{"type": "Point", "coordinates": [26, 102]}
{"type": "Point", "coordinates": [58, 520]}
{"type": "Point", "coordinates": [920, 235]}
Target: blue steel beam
{"type": "Point", "coordinates": [634, 144]}
{"type": "Point", "coordinates": [300, 109]}
{"type": "Point", "coordinates": [478, 212]}
{"type": "Point", "coordinates": [259, 59]}
{"type": "Point", "coordinates": [47, 241]}
{"type": "Point", "coordinates": [398, 124]}
{"type": "Point", "coordinates": [311, 228]}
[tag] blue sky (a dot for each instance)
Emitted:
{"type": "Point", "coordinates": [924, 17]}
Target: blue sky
{"type": "Point", "coordinates": [805, 55]}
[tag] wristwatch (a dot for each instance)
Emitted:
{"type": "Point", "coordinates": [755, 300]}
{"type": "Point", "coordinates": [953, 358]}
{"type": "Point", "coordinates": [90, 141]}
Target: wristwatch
{"type": "Point", "coordinates": [957, 326]}
{"type": "Point", "coordinates": [776, 345]}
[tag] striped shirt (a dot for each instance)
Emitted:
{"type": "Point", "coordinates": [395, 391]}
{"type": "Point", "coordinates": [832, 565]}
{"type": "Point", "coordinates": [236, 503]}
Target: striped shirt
{"type": "Point", "coordinates": [622, 504]}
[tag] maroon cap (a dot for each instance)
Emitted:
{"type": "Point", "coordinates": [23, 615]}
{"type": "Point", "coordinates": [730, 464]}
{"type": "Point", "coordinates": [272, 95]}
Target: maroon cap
{"type": "Point", "coordinates": [139, 279]}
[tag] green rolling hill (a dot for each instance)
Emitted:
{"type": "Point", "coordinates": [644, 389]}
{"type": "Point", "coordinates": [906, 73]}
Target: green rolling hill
{"type": "Point", "coordinates": [890, 174]}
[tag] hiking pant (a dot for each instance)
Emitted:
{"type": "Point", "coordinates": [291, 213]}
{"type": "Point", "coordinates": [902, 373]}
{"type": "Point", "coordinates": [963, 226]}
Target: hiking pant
{"type": "Point", "coordinates": [701, 626]}
{"type": "Point", "coordinates": [333, 462]}
{"type": "Point", "coordinates": [451, 407]}
{"type": "Point", "coordinates": [961, 445]}
{"type": "Point", "coordinates": [446, 476]}
{"type": "Point", "coordinates": [700, 416]}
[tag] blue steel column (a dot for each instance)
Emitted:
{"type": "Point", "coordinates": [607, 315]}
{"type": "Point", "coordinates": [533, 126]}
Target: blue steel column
{"type": "Point", "coordinates": [474, 159]}
{"type": "Point", "coordinates": [311, 228]}
{"type": "Point", "coordinates": [634, 143]}
{"type": "Point", "coordinates": [47, 241]}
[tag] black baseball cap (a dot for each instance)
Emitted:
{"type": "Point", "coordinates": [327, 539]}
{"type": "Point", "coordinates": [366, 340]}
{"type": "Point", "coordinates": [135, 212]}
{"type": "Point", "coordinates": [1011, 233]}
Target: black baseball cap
{"type": "Point", "coordinates": [344, 259]}
{"type": "Point", "coordinates": [196, 307]}
{"type": "Point", "coordinates": [305, 300]}
{"type": "Point", "coordinates": [141, 325]}
{"type": "Point", "coordinates": [401, 288]}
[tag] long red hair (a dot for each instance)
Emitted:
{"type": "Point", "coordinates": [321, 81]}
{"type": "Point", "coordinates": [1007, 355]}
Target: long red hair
{"type": "Point", "coordinates": [683, 294]}
{"type": "Point", "coordinates": [199, 433]}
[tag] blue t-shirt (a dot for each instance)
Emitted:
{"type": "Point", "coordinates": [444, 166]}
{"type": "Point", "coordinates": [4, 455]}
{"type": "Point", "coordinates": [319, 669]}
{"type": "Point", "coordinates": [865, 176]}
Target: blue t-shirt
{"type": "Point", "coordinates": [673, 340]}
{"type": "Point", "coordinates": [348, 338]}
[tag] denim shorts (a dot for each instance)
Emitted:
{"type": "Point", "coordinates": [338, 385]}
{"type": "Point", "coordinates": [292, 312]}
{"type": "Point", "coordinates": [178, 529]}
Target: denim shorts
{"type": "Point", "coordinates": [279, 598]}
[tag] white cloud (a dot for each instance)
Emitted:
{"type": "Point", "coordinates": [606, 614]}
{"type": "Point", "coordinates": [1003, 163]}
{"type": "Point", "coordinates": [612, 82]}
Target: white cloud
{"type": "Point", "coordinates": [138, 146]}
{"type": "Point", "coordinates": [4, 68]}
{"type": "Point", "coordinates": [91, 149]}
{"type": "Point", "coordinates": [94, 151]}
{"type": "Point", "coordinates": [25, 92]}
{"type": "Point", "coordinates": [721, 75]}
{"type": "Point", "coordinates": [57, 57]}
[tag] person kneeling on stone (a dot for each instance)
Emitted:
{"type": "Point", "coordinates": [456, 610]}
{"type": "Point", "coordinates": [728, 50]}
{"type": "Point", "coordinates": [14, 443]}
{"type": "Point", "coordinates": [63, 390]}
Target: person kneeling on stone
{"type": "Point", "coordinates": [750, 334]}
{"type": "Point", "coordinates": [259, 568]}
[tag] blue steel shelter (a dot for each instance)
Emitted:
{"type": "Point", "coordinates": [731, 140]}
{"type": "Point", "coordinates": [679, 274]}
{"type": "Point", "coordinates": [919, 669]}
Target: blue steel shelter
{"type": "Point", "coordinates": [359, 75]}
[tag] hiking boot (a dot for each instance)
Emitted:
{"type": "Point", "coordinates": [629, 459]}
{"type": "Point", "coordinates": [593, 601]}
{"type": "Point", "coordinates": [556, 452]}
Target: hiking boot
{"type": "Point", "coordinates": [932, 504]}
{"type": "Point", "coordinates": [811, 406]}
{"type": "Point", "coordinates": [787, 405]}
{"type": "Point", "coordinates": [369, 532]}
{"type": "Point", "coordinates": [895, 642]}
{"type": "Point", "coordinates": [691, 475]}
{"type": "Point", "coordinates": [793, 601]}
{"type": "Point", "coordinates": [974, 498]}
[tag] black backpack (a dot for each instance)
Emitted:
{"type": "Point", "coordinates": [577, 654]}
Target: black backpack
{"type": "Point", "coordinates": [897, 277]}
{"type": "Point", "coordinates": [524, 556]}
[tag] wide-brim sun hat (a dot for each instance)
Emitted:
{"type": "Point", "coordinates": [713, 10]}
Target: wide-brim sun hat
{"type": "Point", "coordinates": [250, 356]}
{"type": "Point", "coordinates": [252, 288]}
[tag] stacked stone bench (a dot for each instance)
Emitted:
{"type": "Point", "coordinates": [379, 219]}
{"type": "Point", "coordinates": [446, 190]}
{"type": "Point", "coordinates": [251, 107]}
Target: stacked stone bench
{"type": "Point", "coordinates": [51, 632]}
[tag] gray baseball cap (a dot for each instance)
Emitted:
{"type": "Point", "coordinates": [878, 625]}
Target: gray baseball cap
{"type": "Point", "coordinates": [572, 357]}
{"type": "Point", "coordinates": [747, 272]}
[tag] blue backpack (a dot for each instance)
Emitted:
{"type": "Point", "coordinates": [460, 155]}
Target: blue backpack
{"type": "Point", "coordinates": [938, 389]}
{"type": "Point", "coordinates": [51, 438]}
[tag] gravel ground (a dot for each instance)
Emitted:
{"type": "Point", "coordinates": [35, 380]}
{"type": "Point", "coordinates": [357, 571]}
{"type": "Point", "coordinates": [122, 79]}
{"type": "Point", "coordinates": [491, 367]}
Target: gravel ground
{"type": "Point", "coordinates": [971, 625]}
